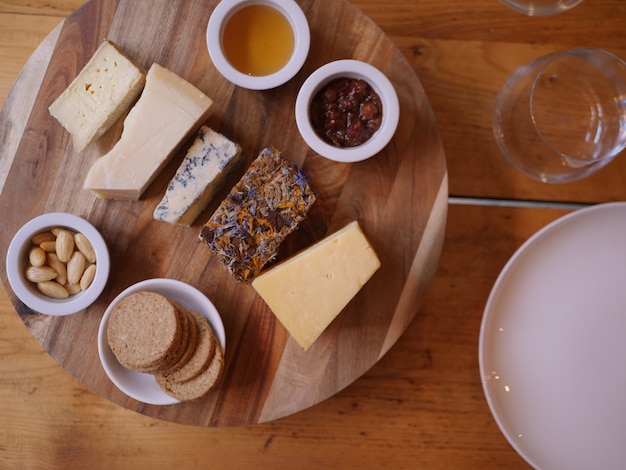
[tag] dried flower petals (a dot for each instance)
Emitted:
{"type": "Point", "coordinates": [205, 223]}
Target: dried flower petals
{"type": "Point", "coordinates": [265, 206]}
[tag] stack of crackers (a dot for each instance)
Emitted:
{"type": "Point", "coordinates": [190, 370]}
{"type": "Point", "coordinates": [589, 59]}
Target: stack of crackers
{"type": "Point", "coordinates": [150, 333]}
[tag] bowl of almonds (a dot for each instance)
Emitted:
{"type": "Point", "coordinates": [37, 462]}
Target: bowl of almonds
{"type": "Point", "coordinates": [57, 264]}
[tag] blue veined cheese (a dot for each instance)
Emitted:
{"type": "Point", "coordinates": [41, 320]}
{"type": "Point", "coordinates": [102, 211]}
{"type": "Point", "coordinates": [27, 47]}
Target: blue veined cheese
{"type": "Point", "coordinates": [200, 176]}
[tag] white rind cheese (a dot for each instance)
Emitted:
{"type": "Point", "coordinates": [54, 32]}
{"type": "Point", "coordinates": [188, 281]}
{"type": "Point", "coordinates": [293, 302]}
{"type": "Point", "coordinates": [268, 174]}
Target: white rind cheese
{"type": "Point", "coordinates": [103, 90]}
{"type": "Point", "coordinates": [199, 177]}
{"type": "Point", "coordinates": [307, 291]}
{"type": "Point", "coordinates": [169, 110]}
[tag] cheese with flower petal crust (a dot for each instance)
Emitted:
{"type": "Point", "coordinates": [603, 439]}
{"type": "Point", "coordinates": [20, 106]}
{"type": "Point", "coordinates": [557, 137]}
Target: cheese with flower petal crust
{"type": "Point", "coordinates": [307, 291]}
{"type": "Point", "coordinates": [103, 90]}
{"type": "Point", "coordinates": [169, 110]}
{"type": "Point", "coordinates": [201, 174]}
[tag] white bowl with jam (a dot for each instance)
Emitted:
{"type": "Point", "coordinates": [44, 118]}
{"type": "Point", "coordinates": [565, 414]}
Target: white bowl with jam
{"type": "Point", "coordinates": [347, 111]}
{"type": "Point", "coordinates": [258, 44]}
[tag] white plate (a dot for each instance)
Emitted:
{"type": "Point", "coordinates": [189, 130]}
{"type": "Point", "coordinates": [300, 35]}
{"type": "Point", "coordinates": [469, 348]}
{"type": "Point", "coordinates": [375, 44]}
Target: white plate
{"type": "Point", "coordinates": [143, 387]}
{"type": "Point", "coordinates": [552, 346]}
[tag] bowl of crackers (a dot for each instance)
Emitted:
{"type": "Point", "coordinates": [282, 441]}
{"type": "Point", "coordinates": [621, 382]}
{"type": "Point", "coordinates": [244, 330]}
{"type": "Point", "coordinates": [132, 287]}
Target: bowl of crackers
{"type": "Point", "coordinates": [58, 264]}
{"type": "Point", "coordinates": [162, 341]}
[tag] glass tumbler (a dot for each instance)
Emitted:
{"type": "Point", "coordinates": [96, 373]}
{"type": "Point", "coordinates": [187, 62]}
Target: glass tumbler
{"type": "Point", "coordinates": [540, 7]}
{"type": "Point", "coordinates": [562, 117]}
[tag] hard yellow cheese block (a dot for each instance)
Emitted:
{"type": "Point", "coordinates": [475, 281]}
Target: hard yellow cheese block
{"type": "Point", "coordinates": [103, 90]}
{"type": "Point", "coordinates": [307, 291]}
{"type": "Point", "coordinates": [169, 110]}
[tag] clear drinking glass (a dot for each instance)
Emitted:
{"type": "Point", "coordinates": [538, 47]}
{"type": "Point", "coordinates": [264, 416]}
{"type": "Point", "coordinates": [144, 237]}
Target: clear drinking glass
{"type": "Point", "coordinates": [540, 7]}
{"type": "Point", "coordinates": [562, 117]}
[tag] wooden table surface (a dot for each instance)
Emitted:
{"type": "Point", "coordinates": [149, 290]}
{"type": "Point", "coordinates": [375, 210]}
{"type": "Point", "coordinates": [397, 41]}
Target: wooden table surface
{"type": "Point", "coordinates": [422, 405]}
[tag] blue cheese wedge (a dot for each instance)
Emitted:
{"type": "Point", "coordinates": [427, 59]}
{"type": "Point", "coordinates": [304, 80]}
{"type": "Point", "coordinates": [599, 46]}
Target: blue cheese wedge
{"type": "Point", "coordinates": [208, 162]}
{"type": "Point", "coordinates": [169, 110]}
{"type": "Point", "coordinates": [103, 90]}
{"type": "Point", "coordinates": [307, 291]}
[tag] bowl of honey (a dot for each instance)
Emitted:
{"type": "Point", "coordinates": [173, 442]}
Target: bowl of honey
{"type": "Point", "coordinates": [258, 44]}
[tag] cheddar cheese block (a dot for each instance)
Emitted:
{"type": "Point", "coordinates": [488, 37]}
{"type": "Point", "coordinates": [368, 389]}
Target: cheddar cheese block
{"type": "Point", "coordinates": [199, 177]}
{"type": "Point", "coordinates": [307, 291]}
{"type": "Point", "coordinates": [169, 110]}
{"type": "Point", "coordinates": [103, 90]}
{"type": "Point", "coordinates": [267, 204]}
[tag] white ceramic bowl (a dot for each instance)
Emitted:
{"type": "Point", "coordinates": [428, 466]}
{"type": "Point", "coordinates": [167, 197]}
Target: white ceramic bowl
{"type": "Point", "coordinates": [349, 69]}
{"type": "Point", "coordinates": [302, 38]}
{"type": "Point", "coordinates": [17, 261]}
{"type": "Point", "coordinates": [143, 387]}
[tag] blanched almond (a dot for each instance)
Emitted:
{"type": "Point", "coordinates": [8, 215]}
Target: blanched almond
{"type": "Point", "coordinates": [39, 238]}
{"type": "Point", "coordinates": [64, 245]}
{"type": "Point", "coordinates": [55, 231]}
{"type": "Point", "coordinates": [84, 246]}
{"type": "Point", "coordinates": [53, 289]}
{"type": "Point", "coordinates": [88, 277]}
{"type": "Point", "coordinates": [58, 266]}
{"type": "Point", "coordinates": [40, 273]}
{"type": "Point", "coordinates": [37, 256]}
{"type": "Point", "coordinates": [73, 289]}
{"type": "Point", "coordinates": [61, 262]}
{"type": "Point", "coordinates": [49, 246]}
{"type": "Point", "coordinates": [75, 267]}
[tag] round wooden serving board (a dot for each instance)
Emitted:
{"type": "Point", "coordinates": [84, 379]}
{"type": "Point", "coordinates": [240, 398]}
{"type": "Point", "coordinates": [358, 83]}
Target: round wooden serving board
{"type": "Point", "coordinates": [399, 197]}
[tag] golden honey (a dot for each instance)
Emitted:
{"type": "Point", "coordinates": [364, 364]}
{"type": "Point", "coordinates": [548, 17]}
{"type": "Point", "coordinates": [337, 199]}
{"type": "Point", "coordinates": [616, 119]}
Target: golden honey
{"type": "Point", "coordinates": [258, 40]}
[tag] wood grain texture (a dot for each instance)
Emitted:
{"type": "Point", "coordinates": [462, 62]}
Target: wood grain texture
{"type": "Point", "coordinates": [420, 406]}
{"type": "Point", "coordinates": [399, 198]}
{"type": "Point", "coordinates": [463, 52]}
